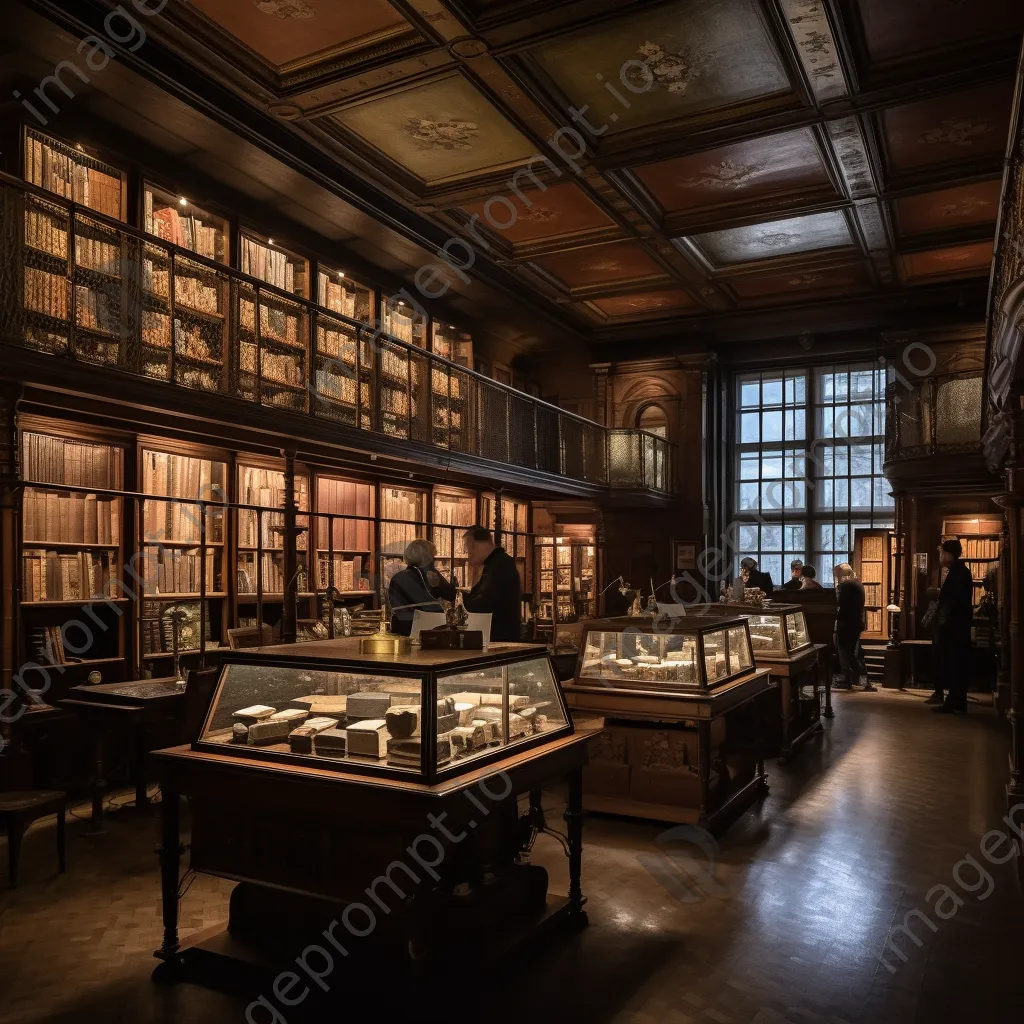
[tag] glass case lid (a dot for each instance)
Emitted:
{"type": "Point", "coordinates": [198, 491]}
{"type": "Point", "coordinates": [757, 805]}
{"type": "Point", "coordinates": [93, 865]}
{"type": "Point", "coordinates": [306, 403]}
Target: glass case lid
{"type": "Point", "coordinates": [416, 716]}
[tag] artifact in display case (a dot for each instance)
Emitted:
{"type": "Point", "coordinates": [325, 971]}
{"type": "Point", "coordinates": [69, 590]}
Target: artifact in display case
{"type": "Point", "coordinates": [777, 632]}
{"type": "Point", "coordinates": [693, 655]}
{"type": "Point", "coordinates": [424, 713]}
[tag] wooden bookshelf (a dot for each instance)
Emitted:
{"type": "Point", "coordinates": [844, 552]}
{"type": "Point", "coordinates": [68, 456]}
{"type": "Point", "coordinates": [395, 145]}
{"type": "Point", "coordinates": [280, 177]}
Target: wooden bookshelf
{"type": "Point", "coordinates": [566, 577]}
{"type": "Point", "coordinates": [343, 374]}
{"type": "Point", "coordinates": [341, 293]}
{"type": "Point", "coordinates": [872, 561]}
{"type": "Point", "coordinates": [261, 258]}
{"type": "Point", "coordinates": [74, 174]}
{"type": "Point", "coordinates": [72, 548]}
{"type": "Point", "coordinates": [170, 535]}
{"type": "Point", "coordinates": [174, 219]}
{"type": "Point", "coordinates": [402, 519]}
{"type": "Point", "coordinates": [401, 321]}
{"type": "Point", "coordinates": [273, 349]}
{"type": "Point", "coordinates": [452, 344]}
{"type": "Point", "coordinates": [453, 512]}
{"type": "Point", "coordinates": [259, 547]}
{"type": "Point", "coordinates": [345, 547]}
{"type": "Point", "coordinates": [202, 336]}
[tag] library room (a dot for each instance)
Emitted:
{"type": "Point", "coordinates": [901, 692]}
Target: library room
{"type": "Point", "coordinates": [512, 491]}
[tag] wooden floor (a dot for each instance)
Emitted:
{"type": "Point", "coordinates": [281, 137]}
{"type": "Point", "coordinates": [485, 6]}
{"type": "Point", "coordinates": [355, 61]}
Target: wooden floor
{"type": "Point", "coordinates": [785, 920]}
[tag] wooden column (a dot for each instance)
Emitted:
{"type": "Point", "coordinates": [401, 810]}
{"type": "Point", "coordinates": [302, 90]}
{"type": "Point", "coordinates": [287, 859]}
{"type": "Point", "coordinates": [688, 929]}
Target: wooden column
{"type": "Point", "coordinates": [291, 558]}
{"type": "Point", "coordinates": [1003, 679]}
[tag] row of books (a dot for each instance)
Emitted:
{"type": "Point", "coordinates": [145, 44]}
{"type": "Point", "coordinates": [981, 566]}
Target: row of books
{"type": "Point", "coordinates": [47, 293]}
{"type": "Point", "coordinates": [179, 522]}
{"type": "Point", "coordinates": [47, 231]}
{"type": "Point", "coordinates": [46, 644]}
{"type": "Point", "coordinates": [97, 255]}
{"type": "Point", "coordinates": [347, 497]}
{"type": "Point", "coordinates": [276, 366]}
{"type": "Point", "coordinates": [53, 518]}
{"type": "Point", "coordinates": [175, 571]}
{"type": "Point", "coordinates": [156, 329]}
{"type": "Point", "coordinates": [95, 310]}
{"type": "Point", "coordinates": [55, 460]}
{"type": "Point", "coordinates": [195, 293]}
{"type": "Point", "coordinates": [348, 573]}
{"type": "Point", "coordinates": [55, 576]}
{"type": "Point", "coordinates": [980, 548]}
{"type": "Point", "coordinates": [184, 229]}
{"type": "Point", "coordinates": [339, 388]}
{"type": "Point", "coordinates": [273, 266]}
{"type": "Point", "coordinates": [64, 172]}
{"type": "Point", "coordinates": [270, 575]}
{"type": "Point", "coordinates": [157, 627]}
{"type": "Point", "coordinates": [191, 342]}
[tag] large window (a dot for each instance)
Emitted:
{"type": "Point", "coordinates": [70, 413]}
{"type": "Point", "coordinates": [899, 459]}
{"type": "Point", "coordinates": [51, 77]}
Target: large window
{"type": "Point", "coordinates": [808, 453]}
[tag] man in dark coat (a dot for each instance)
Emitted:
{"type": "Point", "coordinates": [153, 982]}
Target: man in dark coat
{"type": "Point", "coordinates": [756, 578]}
{"type": "Point", "coordinates": [499, 589]}
{"type": "Point", "coordinates": [953, 631]}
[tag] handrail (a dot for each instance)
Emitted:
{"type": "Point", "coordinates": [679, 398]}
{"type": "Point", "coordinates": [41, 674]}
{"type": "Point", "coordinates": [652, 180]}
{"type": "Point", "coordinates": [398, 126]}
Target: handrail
{"type": "Point", "coordinates": [265, 344]}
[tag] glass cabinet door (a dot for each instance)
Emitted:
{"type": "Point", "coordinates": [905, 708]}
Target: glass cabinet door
{"type": "Point", "coordinates": [471, 722]}
{"type": "Point", "coordinates": [796, 630]}
{"type": "Point", "coordinates": [766, 634]}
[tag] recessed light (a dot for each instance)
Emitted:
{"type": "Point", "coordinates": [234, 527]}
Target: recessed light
{"type": "Point", "coordinates": [183, 201]}
{"type": "Point", "coordinates": [270, 241]}
{"type": "Point", "coordinates": [340, 275]}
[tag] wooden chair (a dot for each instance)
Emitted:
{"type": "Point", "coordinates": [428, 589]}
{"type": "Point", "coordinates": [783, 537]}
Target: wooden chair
{"type": "Point", "coordinates": [250, 636]}
{"type": "Point", "coordinates": [18, 810]}
{"type": "Point", "coordinates": [199, 688]}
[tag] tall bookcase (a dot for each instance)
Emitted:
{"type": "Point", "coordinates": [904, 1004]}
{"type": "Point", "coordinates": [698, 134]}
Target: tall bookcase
{"type": "Point", "coordinates": [453, 512]}
{"type": "Point", "coordinates": [73, 553]}
{"type": "Point", "coordinates": [72, 173]}
{"type": "Point", "coordinates": [174, 559]}
{"type": "Point", "coordinates": [345, 546]}
{"type": "Point", "coordinates": [566, 579]}
{"type": "Point", "coordinates": [340, 293]}
{"type": "Point", "coordinates": [343, 374]}
{"type": "Point", "coordinates": [873, 563]}
{"type": "Point", "coordinates": [980, 537]}
{"type": "Point", "coordinates": [403, 518]}
{"type": "Point", "coordinates": [259, 550]}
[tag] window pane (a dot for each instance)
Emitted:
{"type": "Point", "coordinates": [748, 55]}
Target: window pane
{"type": "Point", "coordinates": [771, 467]}
{"type": "Point", "coordinates": [749, 429]}
{"type": "Point", "coordinates": [860, 494]}
{"type": "Point", "coordinates": [748, 496]}
{"type": "Point", "coordinates": [861, 460]}
{"type": "Point", "coordinates": [749, 464]}
{"type": "Point", "coordinates": [748, 538]}
{"type": "Point", "coordinates": [771, 392]}
{"type": "Point", "coordinates": [750, 395]}
{"type": "Point", "coordinates": [862, 421]}
{"type": "Point", "coordinates": [772, 564]}
{"type": "Point", "coordinates": [771, 538]}
{"type": "Point", "coordinates": [795, 538]}
{"type": "Point", "coordinates": [771, 425]}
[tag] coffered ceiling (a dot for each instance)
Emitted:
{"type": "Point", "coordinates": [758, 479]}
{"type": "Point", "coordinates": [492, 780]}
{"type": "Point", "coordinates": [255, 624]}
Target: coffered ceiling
{"type": "Point", "coordinates": [644, 166]}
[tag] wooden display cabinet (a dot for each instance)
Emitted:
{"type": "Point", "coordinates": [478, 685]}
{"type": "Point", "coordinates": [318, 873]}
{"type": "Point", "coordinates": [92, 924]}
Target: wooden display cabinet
{"type": "Point", "coordinates": [687, 716]}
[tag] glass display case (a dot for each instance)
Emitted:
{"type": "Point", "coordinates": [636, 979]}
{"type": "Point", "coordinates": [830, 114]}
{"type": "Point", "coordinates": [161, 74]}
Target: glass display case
{"type": "Point", "coordinates": [421, 716]}
{"type": "Point", "coordinates": [777, 632]}
{"type": "Point", "coordinates": [691, 656]}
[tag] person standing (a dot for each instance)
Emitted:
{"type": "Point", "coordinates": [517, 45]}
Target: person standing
{"type": "Point", "coordinates": [499, 589]}
{"type": "Point", "coordinates": [808, 578]}
{"type": "Point", "coordinates": [953, 631]}
{"type": "Point", "coordinates": [756, 578]}
{"type": "Point", "coordinates": [418, 584]}
{"type": "Point", "coordinates": [795, 579]}
{"type": "Point", "coordinates": [849, 626]}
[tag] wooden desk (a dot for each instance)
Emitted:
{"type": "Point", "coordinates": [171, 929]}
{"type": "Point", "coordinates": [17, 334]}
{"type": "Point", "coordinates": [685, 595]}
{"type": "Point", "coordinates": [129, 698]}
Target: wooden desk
{"type": "Point", "coordinates": [303, 842]}
{"type": "Point", "coordinates": [131, 706]}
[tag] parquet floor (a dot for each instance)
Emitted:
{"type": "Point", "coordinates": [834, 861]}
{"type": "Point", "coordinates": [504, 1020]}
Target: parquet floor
{"type": "Point", "coordinates": [784, 920]}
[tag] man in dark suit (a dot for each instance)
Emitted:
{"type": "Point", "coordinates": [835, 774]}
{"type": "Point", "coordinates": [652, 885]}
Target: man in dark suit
{"type": "Point", "coordinates": [849, 626]}
{"type": "Point", "coordinates": [756, 578]}
{"type": "Point", "coordinates": [953, 631]}
{"type": "Point", "coordinates": [499, 589]}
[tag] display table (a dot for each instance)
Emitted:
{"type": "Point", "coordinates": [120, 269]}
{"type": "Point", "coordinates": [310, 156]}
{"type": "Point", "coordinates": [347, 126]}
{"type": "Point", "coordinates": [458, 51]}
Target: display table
{"type": "Point", "coordinates": [781, 643]}
{"type": "Point", "coordinates": [123, 707]}
{"type": "Point", "coordinates": [687, 713]}
{"type": "Point", "coordinates": [309, 822]}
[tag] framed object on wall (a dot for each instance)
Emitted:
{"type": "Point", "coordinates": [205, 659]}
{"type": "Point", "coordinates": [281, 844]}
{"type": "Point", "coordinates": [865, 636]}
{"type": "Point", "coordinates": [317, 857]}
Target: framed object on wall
{"type": "Point", "coordinates": [684, 556]}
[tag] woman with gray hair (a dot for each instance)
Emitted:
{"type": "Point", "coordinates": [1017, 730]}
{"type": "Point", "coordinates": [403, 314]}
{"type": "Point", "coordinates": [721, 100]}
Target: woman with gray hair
{"type": "Point", "coordinates": [418, 584]}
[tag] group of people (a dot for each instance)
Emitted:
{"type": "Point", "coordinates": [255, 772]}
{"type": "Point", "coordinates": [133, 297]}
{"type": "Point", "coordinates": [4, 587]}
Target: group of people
{"type": "Point", "coordinates": [948, 620]}
{"type": "Point", "coordinates": [498, 591]}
